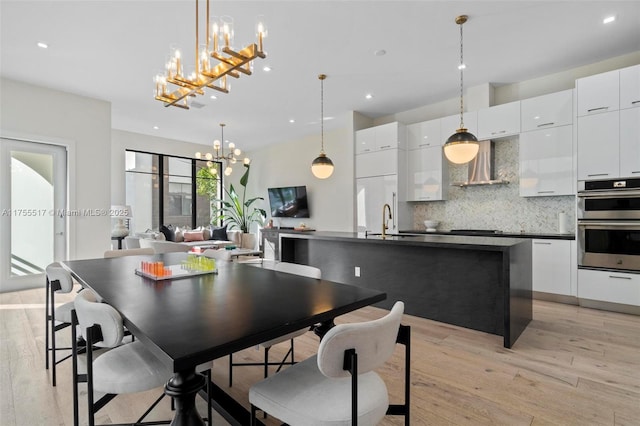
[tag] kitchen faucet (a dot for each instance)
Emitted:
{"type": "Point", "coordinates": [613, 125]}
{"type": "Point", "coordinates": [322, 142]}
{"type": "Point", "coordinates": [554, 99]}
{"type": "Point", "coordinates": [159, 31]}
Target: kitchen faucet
{"type": "Point", "coordinates": [384, 221]}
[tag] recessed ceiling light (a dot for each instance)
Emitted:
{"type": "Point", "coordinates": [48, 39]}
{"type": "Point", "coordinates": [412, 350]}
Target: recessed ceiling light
{"type": "Point", "coordinates": [213, 97]}
{"type": "Point", "coordinates": [608, 19]}
{"type": "Point", "coordinates": [291, 120]}
{"type": "Point", "coordinates": [462, 66]}
{"type": "Point", "coordinates": [266, 68]}
{"type": "Point", "coordinates": [368, 96]}
{"type": "Point", "coordinates": [42, 45]}
{"type": "Point", "coordinates": [380, 52]}
{"type": "Point", "coordinates": [155, 127]}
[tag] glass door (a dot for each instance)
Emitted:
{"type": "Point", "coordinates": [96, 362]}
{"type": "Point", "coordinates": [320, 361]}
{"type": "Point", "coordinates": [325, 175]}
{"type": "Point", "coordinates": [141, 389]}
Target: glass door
{"type": "Point", "coordinates": [32, 211]}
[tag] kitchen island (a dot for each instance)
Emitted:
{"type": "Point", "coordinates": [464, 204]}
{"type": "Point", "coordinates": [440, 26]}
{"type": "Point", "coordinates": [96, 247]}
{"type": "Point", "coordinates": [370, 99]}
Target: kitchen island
{"type": "Point", "coordinates": [482, 283]}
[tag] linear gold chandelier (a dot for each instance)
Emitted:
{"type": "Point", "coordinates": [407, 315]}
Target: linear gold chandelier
{"type": "Point", "coordinates": [219, 46]}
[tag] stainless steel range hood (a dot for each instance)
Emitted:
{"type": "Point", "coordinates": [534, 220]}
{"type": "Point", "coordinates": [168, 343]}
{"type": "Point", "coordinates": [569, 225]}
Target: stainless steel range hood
{"type": "Point", "coordinates": [481, 167]}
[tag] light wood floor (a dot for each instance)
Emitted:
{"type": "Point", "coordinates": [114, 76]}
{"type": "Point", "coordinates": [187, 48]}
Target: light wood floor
{"type": "Point", "coordinates": [572, 366]}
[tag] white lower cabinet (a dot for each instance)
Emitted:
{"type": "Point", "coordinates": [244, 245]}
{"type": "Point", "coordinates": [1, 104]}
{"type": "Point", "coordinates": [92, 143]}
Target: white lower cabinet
{"type": "Point", "coordinates": [613, 287]}
{"type": "Point", "coordinates": [552, 266]}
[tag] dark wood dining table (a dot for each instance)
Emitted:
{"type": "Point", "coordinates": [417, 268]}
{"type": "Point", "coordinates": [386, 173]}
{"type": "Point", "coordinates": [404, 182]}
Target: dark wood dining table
{"type": "Point", "coordinates": [188, 321]}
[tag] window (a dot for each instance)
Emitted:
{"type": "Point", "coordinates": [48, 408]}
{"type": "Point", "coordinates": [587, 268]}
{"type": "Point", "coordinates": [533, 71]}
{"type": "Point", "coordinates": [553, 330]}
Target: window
{"type": "Point", "coordinates": [169, 190]}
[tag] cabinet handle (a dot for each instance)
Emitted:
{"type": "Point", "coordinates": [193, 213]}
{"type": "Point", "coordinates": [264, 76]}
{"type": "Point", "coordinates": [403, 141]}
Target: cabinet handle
{"type": "Point", "coordinates": [636, 172]}
{"type": "Point", "coordinates": [599, 174]}
{"type": "Point", "coordinates": [393, 221]}
{"type": "Point", "coordinates": [597, 109]}
{"type": "Point", "coordinates": [424, 144]}
{"type": "Point", "coordinates": [366, 150]}
{"type": "Point", "coordinates": [546, 192]}
{"type": "Point", "coordinates": [424, 198]}
{"type": "Point", "coordinates": [635, 102]}
{"type": "Point", "coordinates": [385, 146]}
{"type": "Point", "coordinates": [498, 133]}
{"type": "Point", "coordinates": [541, 243]}
{"type": "Point", "coordinates": [619, 278]}
{"type": "Point", "coordinates": [546, 124]}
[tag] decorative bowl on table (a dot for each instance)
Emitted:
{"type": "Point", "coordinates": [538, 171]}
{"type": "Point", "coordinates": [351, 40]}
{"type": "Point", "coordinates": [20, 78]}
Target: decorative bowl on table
{"type": "Point", "coordinates": [431, 225]}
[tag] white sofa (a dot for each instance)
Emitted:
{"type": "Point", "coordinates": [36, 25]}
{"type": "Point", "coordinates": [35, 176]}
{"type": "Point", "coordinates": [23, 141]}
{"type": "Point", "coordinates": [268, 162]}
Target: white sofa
{"type": "Point", "coordinates": [157, 242]}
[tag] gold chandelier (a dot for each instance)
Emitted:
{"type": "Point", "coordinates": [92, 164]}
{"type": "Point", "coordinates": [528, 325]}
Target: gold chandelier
{"type": "Point", "coordinates": [219, 46]}
{"type": "Point", "coordinates": [229, 158]}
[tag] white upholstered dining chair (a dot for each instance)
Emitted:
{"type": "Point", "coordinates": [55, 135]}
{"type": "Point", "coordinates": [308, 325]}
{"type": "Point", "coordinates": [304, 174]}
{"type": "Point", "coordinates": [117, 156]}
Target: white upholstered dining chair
{"type": "Point", "coordinates": [338, 385]}
{"type": "Point", "coordinates": [290, 268]}
{"type": "Point", "coordinates": [58, 281]}
{"type": "Point", "coordinates": [123, 368]}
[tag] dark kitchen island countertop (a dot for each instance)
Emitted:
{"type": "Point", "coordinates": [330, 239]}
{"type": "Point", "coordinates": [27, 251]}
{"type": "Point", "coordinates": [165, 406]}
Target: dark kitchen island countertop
{"type": "Point", "coordinates": [478, 282]}
{"type": "Point", "coordinates": [500, 234]}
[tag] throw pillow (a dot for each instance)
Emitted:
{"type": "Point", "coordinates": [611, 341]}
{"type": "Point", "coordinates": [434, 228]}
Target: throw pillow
{"type": "Point", "coordinates": [218, 233]}
{"type": "Point", "coordinates": [206, 234]}
{"type": "Point", "coordinates": [193, 236]}
{"type": "Point", "coordinates": [168, 231]}
{"type": "Point", "coordinates": [178, 237]}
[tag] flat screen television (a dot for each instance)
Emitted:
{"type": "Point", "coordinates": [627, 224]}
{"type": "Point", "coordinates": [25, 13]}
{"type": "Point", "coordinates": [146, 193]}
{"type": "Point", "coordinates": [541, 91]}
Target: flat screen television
{"type": "Point", "coordinates": [289, 201]}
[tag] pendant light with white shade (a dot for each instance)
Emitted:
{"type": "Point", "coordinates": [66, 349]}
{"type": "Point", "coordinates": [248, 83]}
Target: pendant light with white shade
{"type": "Point", "coordinates": [322, 166]}
{"type": "Point", "coordinates": [462, 146]}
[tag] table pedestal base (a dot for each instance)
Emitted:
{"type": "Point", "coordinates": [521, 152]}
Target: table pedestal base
{"type": "Point", "coordinates": [183, 387]}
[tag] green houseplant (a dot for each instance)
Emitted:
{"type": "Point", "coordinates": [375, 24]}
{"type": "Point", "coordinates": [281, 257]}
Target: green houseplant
{"type": "Point", "coordinates": [239, 212]}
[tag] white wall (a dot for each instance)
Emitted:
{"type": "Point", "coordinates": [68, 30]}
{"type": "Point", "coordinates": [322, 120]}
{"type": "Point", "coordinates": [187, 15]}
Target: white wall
{"type": "Point", "coordinates": [81, 124]}
{"type": "Point", "coordinates": [289, 164]}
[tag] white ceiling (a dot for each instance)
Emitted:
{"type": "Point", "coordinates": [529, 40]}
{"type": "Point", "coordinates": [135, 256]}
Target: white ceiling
{"type": "Point", "coordinates": [111, 50]}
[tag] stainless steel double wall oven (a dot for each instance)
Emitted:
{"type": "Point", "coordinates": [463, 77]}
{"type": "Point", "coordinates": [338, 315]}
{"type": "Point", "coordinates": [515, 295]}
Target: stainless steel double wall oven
{"type": "Point", "coordinates": [609, 224]}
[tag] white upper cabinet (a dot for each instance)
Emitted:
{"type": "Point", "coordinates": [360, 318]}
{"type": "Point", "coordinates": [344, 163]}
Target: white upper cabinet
{"type": "Point", "coordinates": [366, 140]}
{"type": "Point", "coordinates": [386, 136]}
{"type": "Point", "coordinates": [630, 142]}
{"type": "Point", "coordinates": [546, 162]}
{"type": "Point", "coordinates": [377, 163]}
{"type": "Point", "coordinates": [449, 125]}
{"type": "Point", "coordinates": [598, 93]}
{"type": "Point", "coordinates": [608, 124]}
{"type": "Point", "coordinates": [424, 134]}
{"type": "Point", "coordinates": [630, 87]}
{"type": "Point", "coordinates": [552, 110]}
{"type": "Point", "coordinates": [499, 121]}
{"type": "Point", "coordinates": [599, 146]}
{"type": "Point", "coordinates": [427, 175]}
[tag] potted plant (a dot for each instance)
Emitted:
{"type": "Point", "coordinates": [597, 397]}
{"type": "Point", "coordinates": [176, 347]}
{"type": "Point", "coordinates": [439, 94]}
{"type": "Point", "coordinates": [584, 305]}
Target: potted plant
{"type": "Point", "coordinates": [240, 213]}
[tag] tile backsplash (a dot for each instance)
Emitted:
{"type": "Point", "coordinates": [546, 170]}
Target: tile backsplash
{"type": "Point", "coordinates": [496, 206]}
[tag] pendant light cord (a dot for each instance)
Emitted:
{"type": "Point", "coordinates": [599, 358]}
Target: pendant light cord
{"type": "Point", "coordinates": [461, 66]}
{"type": "Point", "coordinates": [322, 77]}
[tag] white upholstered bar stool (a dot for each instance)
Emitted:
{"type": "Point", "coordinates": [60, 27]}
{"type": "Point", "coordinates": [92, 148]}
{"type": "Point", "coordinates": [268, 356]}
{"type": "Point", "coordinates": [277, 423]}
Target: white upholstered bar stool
{"type": "Point", "coordinates": [338, 385]}
{"type": "Point", "coordinates": [58, 281]}
{"type": "Point", "coordinates": [290, 268]}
